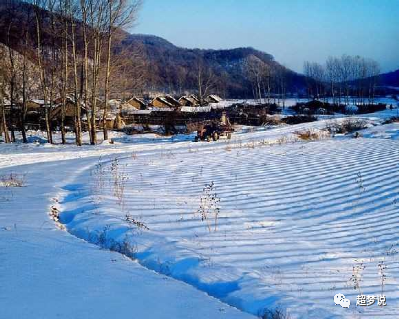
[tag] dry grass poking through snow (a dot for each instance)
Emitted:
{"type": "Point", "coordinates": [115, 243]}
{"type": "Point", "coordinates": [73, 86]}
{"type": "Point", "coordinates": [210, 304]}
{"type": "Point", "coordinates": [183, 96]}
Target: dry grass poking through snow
{"type": "Point", "coordinates": [312, 135]}
{"type": "Point", "coordinates": [209, 209]}
{"type": "Point", "coordinates": [347, 126]}
{"type": "Point", "coordinates": [12, 180]}
{"type": "Point", "coordinates": [8, 182]}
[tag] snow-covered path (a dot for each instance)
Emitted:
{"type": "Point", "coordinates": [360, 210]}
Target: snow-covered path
{"type": "Point", "coordinates": [47, 273]}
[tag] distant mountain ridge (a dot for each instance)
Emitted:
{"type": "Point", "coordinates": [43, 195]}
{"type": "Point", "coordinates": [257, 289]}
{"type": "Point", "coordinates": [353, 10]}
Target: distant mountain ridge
{"type": "Point", "coordinates": [171, 63]}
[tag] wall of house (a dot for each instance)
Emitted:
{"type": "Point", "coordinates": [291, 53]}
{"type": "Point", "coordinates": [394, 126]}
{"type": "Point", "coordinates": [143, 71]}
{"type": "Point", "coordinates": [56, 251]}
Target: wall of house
{"type": "Point", "coordinates": [135, 104]}
{"type": "Point", "coordinates": [158, 103]}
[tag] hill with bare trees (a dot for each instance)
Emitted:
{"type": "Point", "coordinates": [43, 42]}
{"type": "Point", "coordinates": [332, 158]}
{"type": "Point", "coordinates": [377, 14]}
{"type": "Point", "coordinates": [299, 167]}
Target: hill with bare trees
{"type": "Point", "coordinates": [146, 64]}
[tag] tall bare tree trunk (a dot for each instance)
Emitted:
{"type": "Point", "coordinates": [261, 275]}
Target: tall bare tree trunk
{"type": "Point", "coordinates": [107, 75]}
{"type": "Point", "coordinates": [23, 110]}
{"type": "Point", "coordinates": [96, 67]}
{"type": "Point", "coordinates": [12, 83]}
{"type": "Point", "coordinates": [78, 123]}
{"type": "Point", "coordinates": [42, 75]}
{"type": "Point", "coordinates": [65, 73]}
{"type": "Point", "coordinates": [86, 64]}
{"type": "Point", "coordinates": [4, 127]}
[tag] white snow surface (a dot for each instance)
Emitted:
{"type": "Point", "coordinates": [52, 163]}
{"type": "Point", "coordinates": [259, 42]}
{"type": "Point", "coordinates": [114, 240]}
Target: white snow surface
{"type": "Point", "coordinates": [295, 218]}
{"type": "Point", "coordinates": [47, 273]}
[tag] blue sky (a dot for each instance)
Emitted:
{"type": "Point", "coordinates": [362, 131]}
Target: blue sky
{"type": "Point", "coordinates": [291, 30]}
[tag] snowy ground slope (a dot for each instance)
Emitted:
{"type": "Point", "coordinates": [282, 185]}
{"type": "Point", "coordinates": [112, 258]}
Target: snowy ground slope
{"type": "Point", "coordinates": [294, 218]}
{"type": "Point", "coordinates": [47, 273]}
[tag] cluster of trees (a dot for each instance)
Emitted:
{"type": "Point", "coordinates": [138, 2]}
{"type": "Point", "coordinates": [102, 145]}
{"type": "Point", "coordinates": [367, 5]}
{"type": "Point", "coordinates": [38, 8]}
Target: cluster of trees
{"type": "Point", "coordinates": [17, 76]}
{"type": "Point", "coordinates": [343, 78]}
{"type": "Point", "coordinates": [268, 79]}
{"type": "Point", "coordinates": [71, 42]}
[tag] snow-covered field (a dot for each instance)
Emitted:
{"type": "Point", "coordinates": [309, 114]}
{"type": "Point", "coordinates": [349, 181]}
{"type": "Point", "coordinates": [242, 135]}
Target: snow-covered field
{"type": "Point", "coordinates": [283, 225]}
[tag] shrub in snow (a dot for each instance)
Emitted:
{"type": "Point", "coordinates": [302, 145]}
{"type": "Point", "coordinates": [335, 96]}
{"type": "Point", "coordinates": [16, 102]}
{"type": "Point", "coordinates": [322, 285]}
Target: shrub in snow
{"type": "Point", "coordinates": [276, 313]}
{"type": "Point", "coordinates": [209, 206]}
{"type": "Point", "coordinates": [134, 222]}
{"type": "Point", "coordinates": [348, 126]}
{"type": "Point", "coordinates": [356, 278]}
{"type": "Point", "coordinates": [311, 135]}
{"type": "Point", "coordinates": [298, 119]}
{"type": "Point", "coordinates": [119, 181]}
{"type": "Point", "coordinates": [393, 119]}
{"type": "Point", "coordinates": [351, 109]}
{"type": "Point", "coordinates": [12, 180]}
{"type": "Point", "coordinates": [381, 271]}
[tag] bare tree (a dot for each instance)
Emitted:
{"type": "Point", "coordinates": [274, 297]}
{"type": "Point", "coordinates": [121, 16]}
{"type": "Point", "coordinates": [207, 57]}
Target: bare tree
{"type": "Point", "coordinates": [205, 80]}
{"type": "Point", "coordinates": [84, 7]}
{"type": "Point", "coordinates": [349, 76]}
{"type": "Point", "coordinates": [120, 13]}
{"type": "Point", "coordinates": [64, 9]}
{"type": "Point", "coordinates": [3, 84]}
{"type": "Point", "coordinates": [256, 70]}
{"type": "Point", "coordinates": [72, 14]}
{"type": "Point", "coordinates": [26, 69]}
{"type": "Point", "coordinates": [281, 79]}
{"type": "Point", "coordinates": [315, 77]}
{"type": "Point", "coordinates": [96, 12]}
{"type": "Point", "coordinates": [127, 73]}
{"type": "Point", "coordinates": [11, 10]}
{"type": "Point", "coordinates": [39, 5]}
{"type": "Point", "coordinates": [332, 75]}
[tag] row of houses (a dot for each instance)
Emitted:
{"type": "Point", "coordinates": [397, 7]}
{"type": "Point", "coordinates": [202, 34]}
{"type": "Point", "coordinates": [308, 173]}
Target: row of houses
{"type": "Point", "coordinates": [135, 103]}
{"type": "Point", "coordinates": [168, 101]}
{"type": "Point", "coordinates": [35, 108]}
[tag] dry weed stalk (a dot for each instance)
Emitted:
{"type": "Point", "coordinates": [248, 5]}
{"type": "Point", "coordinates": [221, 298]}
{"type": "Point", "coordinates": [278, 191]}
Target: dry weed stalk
{"type": "Point", "coordinates": [209, 206]}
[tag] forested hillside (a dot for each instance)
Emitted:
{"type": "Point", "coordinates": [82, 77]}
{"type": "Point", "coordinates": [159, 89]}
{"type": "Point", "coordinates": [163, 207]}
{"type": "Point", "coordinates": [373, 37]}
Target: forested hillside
{"type": "Point", "coordinates": [149, 64]}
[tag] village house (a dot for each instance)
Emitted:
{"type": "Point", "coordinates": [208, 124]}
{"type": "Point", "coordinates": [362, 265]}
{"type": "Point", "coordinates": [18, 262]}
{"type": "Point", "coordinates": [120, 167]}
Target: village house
{"type": "Point", "coordinates": [137, 103]}
{"type": "Point", "coordinates": [188, 101]}
{"type": "Point", "coordinates": [213, 99]}
{"type": "Point", "coordinates": [35, 105]}
{"type": "Point", "coordinates": [195, 98]}
{"type": "Point", "coordinates": [70, 107]}
{"type": "Point", "coordinates": [166, 101]}
{"type": "Point", "coordinates": [70, 110]}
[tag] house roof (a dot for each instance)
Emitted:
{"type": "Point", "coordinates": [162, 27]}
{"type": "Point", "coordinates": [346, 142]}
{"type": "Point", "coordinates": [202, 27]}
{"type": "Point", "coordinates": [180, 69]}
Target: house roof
{"type": "Point", "coordinates": [162, 109]}
{"type": "Point", "coordinates": [189, 99]}
{"type": "Point", "coordinates": [215, 98]}
{"type": "Point", "coordinates": [172, 100]}
{"type": "Point", "coordinates": [138, 100]}
{"type": "Point", "coordinates": [168, 100]}
{"type": "Point", "coordinates": [164, 100]}
{"type": "Point", "coordinates": [39, 102]}
{"type": "Point", "coordinates": [195, 98]}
